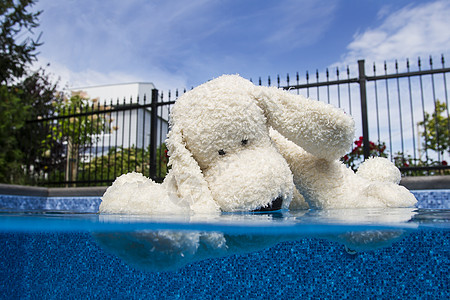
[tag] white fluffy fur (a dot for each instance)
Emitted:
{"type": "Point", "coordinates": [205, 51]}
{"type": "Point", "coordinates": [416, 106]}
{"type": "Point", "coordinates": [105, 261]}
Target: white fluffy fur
{"type": "Point", "coordinates": [217, 116]}
{"type": "Point", "coordinates": [327, 183]}
{"type": "Point", "coordinates": [379, 169]}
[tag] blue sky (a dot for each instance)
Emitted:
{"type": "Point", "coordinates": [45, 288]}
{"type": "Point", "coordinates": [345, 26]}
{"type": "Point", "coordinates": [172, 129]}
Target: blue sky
{"type": "Point", "coordinates": [176, 43]}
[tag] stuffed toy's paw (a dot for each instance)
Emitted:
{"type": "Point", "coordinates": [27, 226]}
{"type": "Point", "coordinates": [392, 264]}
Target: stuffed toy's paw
{"type": "Point", "coordinates": [327, 183]}
{"type": "Point", "coordinates": [379, 169]}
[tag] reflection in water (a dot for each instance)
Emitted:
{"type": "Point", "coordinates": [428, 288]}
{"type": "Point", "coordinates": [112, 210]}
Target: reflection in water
{"type": "Point", "coordinates": [162, 250]}
{"type": "Point", "coordinates": [171, 249]}
{"type": "Point", "coordinates": [367, 240]}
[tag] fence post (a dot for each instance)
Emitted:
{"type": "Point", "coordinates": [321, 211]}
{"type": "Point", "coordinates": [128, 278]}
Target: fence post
{"type": "Point", "coordinates": [153, 133]}
{"type": "Point", "coordinates": [363, 95]}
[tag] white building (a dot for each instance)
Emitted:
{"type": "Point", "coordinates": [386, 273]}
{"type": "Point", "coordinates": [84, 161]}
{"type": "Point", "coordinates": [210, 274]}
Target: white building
{"type": "Point", "coordinates": [131, 127]}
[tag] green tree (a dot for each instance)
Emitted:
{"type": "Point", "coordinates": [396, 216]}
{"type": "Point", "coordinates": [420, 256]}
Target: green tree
{"type": "Point", "coordinates": [79, 123]}
{"type": "Point", "coordinates": [19, 140]}
{"type": "Point", "coordinates": [121, 160]}
{"type": "Point", "coordinates": [23, 94]}
{"type": "Point", "coordinates": [17, 47]}
{"type": "Point", "coordinates": [436, 129]}
{"type": "Point", "coordinates": [12, 116]}
{"type": "Point", "coordinates": [38, 94]}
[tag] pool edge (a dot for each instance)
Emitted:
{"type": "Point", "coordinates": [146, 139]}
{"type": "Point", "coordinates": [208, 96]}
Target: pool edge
{"type": "Point", "coordinates": [412, 183]}
{"type": "Point", "coordinates": [23, 190]}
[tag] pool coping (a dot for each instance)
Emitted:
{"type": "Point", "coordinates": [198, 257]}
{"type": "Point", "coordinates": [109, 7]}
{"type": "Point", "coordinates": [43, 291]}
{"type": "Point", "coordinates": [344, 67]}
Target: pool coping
{"type": "Point", "coordinates": [412, 183]}
{"type": "Point", "coordinates": [436, 182]}
{"type": "Point", "coordinates": [22, 190]}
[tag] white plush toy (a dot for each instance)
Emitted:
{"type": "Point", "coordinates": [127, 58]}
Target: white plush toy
{"type": "Point", "coordinates": [234, 146]}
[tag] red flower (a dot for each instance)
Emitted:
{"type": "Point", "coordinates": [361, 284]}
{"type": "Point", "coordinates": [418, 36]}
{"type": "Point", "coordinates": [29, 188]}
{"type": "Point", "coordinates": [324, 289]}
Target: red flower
{"type": "Point", "coordinates": [444, 163]}
{"type": "Point", "coordinates": [359, 142]}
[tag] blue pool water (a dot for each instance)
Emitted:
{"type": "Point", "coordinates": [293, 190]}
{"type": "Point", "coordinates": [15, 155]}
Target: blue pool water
{"type": "Point", "coordinates": [53, 251]}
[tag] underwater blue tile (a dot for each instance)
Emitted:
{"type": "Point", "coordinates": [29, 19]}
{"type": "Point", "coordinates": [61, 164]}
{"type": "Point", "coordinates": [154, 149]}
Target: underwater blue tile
{"type": "Point", "coordinates": [72, 265]}
{"type": "Point", "coordinates": [14, 202]}
{"type": "Point", "coordinates": [434, 199]}
{"type": "Point", "coordinates": [74, 204]}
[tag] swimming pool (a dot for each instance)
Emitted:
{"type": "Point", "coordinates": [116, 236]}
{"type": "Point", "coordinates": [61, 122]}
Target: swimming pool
{"type": "Point", "coordinates": [51, 251]}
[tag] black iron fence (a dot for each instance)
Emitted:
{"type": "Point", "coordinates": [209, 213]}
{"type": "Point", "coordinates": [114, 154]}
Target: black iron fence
{"type": "Point", "coordinates": [403, 110]}
{"type": "Point", "coordinates": [401, 114]}
{"type": "Point", "coordinates": [87, 143]}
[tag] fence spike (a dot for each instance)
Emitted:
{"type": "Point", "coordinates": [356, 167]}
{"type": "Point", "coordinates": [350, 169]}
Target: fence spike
{"type": "Point", "coordinates": [287, 78]}
{"type": "Point", "coordinates": [442, 60]}
{"type": "Point", "coordinates": [260, 83]}
{"type": "Point", "coordinates": [268, 80]}
{"type": "Point", "coordinates": [431, 62]}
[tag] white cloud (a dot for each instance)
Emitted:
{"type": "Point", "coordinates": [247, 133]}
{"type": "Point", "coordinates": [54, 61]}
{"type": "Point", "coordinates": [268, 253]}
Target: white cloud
{"type": "Point", "coordinates": [413, 31]}
{"type": "Point", "coordinates": [89, 77]}
{"type": "Point", "coordinates": [410, 32]}
{"type": "Point", "coordinates": [94, 42]}
{"type": "Point", "coordinates": [90, 42]}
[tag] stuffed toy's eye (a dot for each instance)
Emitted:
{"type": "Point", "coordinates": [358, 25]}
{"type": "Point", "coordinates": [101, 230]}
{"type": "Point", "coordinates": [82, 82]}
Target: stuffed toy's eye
{"type": "Point", "coordinates": [244, 142]}
{"type": "Point", "coordinates": [221, 152]}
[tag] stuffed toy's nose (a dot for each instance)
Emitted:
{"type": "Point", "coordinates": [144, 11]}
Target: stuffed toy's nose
{"type": "Point", "coordinates": [253, 179]}
{"type": "Point", "coordinates": [276, 204]}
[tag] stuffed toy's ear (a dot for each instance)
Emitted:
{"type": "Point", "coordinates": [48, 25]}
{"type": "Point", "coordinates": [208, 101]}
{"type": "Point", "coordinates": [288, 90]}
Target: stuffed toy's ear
{"type": "Point", "coordinates": [187, 175]}
{"type": "Point", "coordinates": [319, 128]}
